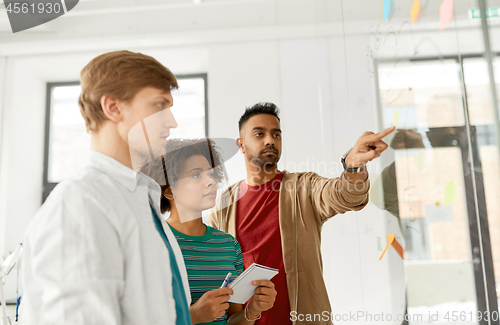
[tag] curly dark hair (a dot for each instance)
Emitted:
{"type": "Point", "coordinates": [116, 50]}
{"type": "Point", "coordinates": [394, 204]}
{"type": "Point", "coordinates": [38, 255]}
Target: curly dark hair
{"type": "Point", "coordinates": [178, 151]}
{"type": "Point", "coordinates": [257, 109]}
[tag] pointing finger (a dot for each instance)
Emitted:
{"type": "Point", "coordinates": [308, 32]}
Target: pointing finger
{"type": "Point", "coordinates": [380, 135]}
{"type": "Point", "coordinates": [386, 132]}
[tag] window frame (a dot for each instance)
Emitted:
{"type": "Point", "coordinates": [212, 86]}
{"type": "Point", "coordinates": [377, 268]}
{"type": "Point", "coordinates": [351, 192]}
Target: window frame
{"type": "Point", "coordinates": [49, 186]}
{"type": "Point", "coordinates": [203, 76]}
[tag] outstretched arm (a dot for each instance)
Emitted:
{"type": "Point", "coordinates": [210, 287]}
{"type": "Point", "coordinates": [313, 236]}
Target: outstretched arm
{"type": "Point", "coordinates": [349, 192]}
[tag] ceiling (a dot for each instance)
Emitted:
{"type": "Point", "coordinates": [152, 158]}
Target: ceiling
{"type": "Point", "coordinates": [104, 18]}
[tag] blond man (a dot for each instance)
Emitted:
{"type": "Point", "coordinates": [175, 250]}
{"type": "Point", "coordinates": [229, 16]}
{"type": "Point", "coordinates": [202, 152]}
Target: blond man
{"type": "Point", "coordinates": [96, 252]}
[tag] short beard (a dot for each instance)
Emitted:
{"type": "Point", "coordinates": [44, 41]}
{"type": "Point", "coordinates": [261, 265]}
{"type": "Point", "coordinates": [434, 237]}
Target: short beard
{"type": "Point", "coordinates": [263, 163]}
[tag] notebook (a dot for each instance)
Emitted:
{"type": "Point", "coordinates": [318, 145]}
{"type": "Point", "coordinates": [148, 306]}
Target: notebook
{"type": "Point", "coordinates": [242, 285]}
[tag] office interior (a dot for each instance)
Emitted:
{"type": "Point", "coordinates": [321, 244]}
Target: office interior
{"type": "Point", "coordinates": [336, 69]}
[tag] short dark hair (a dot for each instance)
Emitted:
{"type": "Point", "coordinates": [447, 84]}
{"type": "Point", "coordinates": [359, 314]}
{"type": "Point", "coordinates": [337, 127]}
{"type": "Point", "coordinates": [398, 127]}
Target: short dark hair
{"type": "Point", "coordinates": [257, 109]}
{"type": "Point", "coordinates": [178, 151]}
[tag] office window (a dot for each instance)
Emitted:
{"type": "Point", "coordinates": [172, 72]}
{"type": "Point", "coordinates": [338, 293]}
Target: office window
{"type": "Point", "coordinates": [67, 144]}
{"type": "Point", "coordinates": [443, 184]}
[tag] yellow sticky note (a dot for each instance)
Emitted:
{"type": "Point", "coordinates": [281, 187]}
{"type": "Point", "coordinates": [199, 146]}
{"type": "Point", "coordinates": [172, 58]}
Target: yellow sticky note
{"type": "Point", "coordinates": [396, 117]}
{"type": "Point", "coordinates": [415, 11]}
{"type": "Point", "coordinates": [445, 13]}
{"type": "Point", "coordinates": [449, 193]}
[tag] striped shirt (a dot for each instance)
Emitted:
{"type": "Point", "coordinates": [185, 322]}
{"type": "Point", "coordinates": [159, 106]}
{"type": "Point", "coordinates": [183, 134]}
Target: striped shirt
{"type": "Point", "coordinates": [208, 259]}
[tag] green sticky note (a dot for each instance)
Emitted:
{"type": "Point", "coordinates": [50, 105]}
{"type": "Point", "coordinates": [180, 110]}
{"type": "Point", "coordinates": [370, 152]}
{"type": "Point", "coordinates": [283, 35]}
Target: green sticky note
{"type": "Point", "coordinates": [379, 244]}
{"type": "Point", "coordinates": [449, 193]}
{"type": "Point", "coordinates": [396, 117]}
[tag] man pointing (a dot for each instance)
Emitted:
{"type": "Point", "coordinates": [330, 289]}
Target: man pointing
{"type": "Point", "coordinates": [277, 216]}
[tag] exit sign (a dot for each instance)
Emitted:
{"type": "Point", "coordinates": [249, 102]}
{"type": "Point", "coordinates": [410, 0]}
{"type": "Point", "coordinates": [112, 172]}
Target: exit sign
{"type": "Point", "coordinates": [493, 12]}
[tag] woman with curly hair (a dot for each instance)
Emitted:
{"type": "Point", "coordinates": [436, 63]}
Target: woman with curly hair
{"type": "Point", "coordinates": [188, 176]}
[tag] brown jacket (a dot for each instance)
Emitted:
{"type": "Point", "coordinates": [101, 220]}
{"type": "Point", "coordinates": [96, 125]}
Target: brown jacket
{"type": "Point", "coordinates": [306, 201]}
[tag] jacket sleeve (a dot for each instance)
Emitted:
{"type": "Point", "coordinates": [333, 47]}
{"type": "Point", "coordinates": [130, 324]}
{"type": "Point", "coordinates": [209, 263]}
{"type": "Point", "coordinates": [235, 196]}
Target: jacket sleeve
{"type": "Point", "coordinates": [76, 263]}
{"type": "Point", "coordinates": [330, 196]}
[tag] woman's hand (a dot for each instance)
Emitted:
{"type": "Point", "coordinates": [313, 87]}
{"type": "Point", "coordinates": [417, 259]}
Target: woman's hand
{"type": "Point", "coordinates": [263, 298]}
{"type": "Point", "coordinates": [210, 306]}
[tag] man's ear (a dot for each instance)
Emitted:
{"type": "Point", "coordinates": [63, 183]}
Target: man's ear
{"type": "Point", "coordinates": [112, 108]}
{"type": "Point", "coordinates": [168, 193]}
{"type": "Point", "coordinates": [239, 143]}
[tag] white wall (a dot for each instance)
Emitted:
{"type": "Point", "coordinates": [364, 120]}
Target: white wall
{"type": "Point", "coordinates": [327, 98]}
{"type": "Point", "coordinates": [2, 132]}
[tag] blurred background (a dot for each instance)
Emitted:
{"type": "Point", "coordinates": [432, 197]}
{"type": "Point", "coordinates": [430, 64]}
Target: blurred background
{"type": "Point", "coordinates": [335, 68]}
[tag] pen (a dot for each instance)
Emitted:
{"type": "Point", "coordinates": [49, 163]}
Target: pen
{"type": "Point", "coordinates": [226, 280]}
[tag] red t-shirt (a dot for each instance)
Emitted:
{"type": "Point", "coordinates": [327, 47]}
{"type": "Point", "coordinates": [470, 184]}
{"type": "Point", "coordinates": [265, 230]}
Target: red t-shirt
{"type": "Point", "coordinates": [258, 232]}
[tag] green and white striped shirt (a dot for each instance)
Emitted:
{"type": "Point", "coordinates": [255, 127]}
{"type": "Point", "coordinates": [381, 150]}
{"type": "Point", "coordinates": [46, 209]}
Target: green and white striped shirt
{"type": "Point", "coordinates": [208, 259]}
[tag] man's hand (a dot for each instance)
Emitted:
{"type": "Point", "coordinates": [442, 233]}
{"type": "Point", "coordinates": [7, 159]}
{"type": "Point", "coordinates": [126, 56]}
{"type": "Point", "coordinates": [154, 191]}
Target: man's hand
{"type": "Point", "coordinates": [263, 298]}
{"type": "Point", "coordinates": [210, 306]}
{"type": "Point", "coordinates": [368, 147]}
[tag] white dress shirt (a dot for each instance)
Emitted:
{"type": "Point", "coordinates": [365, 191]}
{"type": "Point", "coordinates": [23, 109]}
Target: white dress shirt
{"type": "Point", "coordinates": [92, 254]}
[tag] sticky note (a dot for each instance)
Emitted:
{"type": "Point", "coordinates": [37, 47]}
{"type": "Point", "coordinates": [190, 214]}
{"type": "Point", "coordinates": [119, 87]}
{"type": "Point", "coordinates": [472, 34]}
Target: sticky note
{"type": "Point", "coordinates": [438, 213]}
{"type": "Point", "coordinates": [449, 193]}
{"type": "Point", "coordinates": [415, 11]}
{"type": "Point", "coordinates": [394, 243]}
{"type": "Point", "coordinates": [388, 9]}
{"type": "Point", "coordinates": [445, 13]}
{"type": "Point", "coordinates": [396, 117]}
{"type": "Point", "coordinates": [379, 244]}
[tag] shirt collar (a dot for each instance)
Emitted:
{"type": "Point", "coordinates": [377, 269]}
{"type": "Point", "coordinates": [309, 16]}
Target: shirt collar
{"type": "Point", "coordinates": [113, 168]}
{"type": "Point", "coordinates": [127, 177]}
